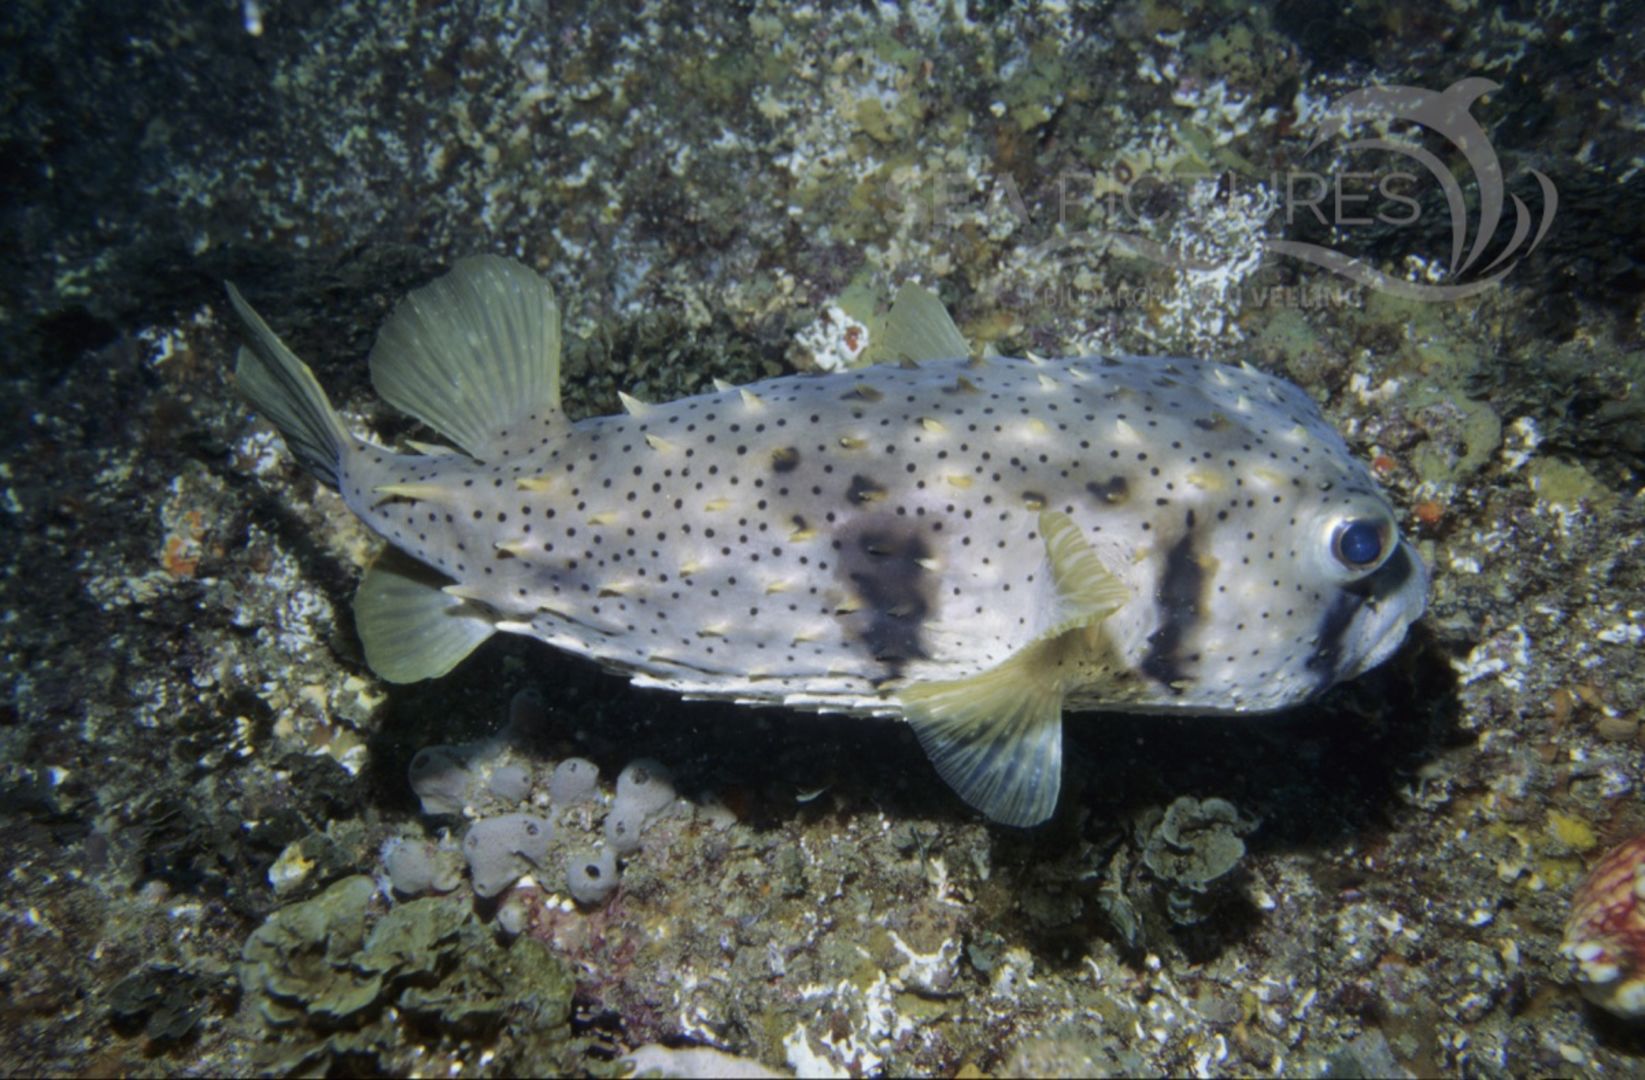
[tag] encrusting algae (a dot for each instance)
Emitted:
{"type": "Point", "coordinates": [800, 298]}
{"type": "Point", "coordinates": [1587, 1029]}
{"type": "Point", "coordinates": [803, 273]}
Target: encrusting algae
{"type": "Point", "coordinates": [971, 544]}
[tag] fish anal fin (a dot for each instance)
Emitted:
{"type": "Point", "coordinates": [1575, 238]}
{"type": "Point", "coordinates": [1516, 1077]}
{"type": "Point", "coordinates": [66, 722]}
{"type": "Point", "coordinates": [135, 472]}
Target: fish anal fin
{"type": "Point", "coordinates": [917, 328]}
{"type": "Point", "coordinates": [996, 736]}
{"type": "Point", "coordinates": [411, 628]}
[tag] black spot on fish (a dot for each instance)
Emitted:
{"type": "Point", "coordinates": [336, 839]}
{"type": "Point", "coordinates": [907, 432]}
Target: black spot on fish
{"type": "Point", "coordinates": [883, 564]}
{"type": "Point", "coordinates": [864, 490]}
{"type": "Point", "coordinates": [785, 460]}
{"type": "Point", "coordinates": [1180, 599]}
{"type": "Point", "coordinates": [1113, 491]}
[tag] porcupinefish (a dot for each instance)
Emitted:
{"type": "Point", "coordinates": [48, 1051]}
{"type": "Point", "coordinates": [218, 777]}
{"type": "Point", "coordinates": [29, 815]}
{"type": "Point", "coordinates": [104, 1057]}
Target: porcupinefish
{"type": "Point", "coordinates": [972, 544]}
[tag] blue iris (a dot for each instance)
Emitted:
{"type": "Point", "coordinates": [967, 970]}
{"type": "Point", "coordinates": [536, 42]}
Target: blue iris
{"type": "Point", "coordinates": [1360, 543]}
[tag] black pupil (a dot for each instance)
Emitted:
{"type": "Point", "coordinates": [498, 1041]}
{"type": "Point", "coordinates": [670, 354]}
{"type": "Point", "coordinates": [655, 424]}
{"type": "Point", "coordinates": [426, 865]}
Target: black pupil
{"type": "Point", "coordinates": [1360, 543]}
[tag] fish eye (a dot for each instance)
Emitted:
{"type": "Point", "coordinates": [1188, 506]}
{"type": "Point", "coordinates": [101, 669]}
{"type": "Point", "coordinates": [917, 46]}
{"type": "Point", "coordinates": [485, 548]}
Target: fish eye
{"type": "Point", "coordinates": [1361, 543]}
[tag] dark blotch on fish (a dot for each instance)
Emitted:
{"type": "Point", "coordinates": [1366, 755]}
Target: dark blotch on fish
{"type": "Point", "coordinates": [865, 490]}
{"type": "Point", "coordinates": [1326, 659]}
{"type": "Point", "coordinates": [1179, 597]}
{"type": "Point", "coordinates": [884, 562]}
{"type": "Point", "coordinates": [1112, 491]}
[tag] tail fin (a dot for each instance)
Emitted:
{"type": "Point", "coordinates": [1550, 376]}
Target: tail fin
{"type": "Point", "coordinates": [284, 390]}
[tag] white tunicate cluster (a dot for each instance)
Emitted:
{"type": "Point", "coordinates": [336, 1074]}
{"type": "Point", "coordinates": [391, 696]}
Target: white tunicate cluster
{"type": "Point", "coordinates": [592, 875]}
{"type": "Point", "coordinates": [623, 826]}
{"type": "Point", "coordinates": [478, 778]}
{"type": "Point", "coordinates": [647, 784]}
{"type": "Point", "coordinates": [575, 780]}
{"type": "Point", "coordinates": [645, 788]}
{"type": "Point", "coordinates": [416, 867]}
{"type": "Point", "coordinates": [712, 810]}
{"type": "Point", "coordinates": [527, 715]}
{"type": "Point", "coordinates": [510, 783]}
{"type": "Point", "coordinates": [514, 913]}
{"type": "Point", "coordinates": [440, 777]}
{"type": "Point", "coordinates": [502, 786]}
{"type": "Point", "coordinates": [502, 849]}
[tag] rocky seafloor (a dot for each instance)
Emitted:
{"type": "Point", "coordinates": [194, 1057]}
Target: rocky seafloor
{"type": "Point", "coordinates": [208, 801]}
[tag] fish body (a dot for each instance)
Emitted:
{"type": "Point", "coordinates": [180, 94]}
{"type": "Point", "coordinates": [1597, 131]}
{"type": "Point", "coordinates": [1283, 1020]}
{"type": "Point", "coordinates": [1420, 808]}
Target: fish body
{"type": "Point", "coordinates": [969, 544]}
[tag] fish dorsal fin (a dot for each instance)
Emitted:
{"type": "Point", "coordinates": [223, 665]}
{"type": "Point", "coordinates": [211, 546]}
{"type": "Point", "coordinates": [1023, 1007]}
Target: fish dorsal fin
{"type": "Point", "coordinates": [475, 355]}
{"type": "Point", "coordinates": [917, 328]}
{"type": "Point", "coordinates": [996, 736]}
{"type": "Point", "coordinates": [410, 627]}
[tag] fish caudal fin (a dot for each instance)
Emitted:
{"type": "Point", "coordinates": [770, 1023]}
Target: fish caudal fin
{"type": "Point", "coordinates": [413, 629]}
{"type": "Point", "coordinates": [284, 390]}
{"type": "Point", "coordinates": [476, 356]}
{"type": "Point", "coordinates": [996, 736]}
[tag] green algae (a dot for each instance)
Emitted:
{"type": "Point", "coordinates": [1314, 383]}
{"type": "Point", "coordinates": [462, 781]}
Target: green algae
{"type": "Point", "coordinates": [334, 977]}
{"type": "Point", "coordinates": [1192, 850]}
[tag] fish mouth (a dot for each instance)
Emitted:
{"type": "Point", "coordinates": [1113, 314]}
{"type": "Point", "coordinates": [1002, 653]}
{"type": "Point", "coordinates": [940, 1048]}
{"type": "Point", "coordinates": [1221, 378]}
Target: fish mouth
{"type": "Point", "coordinates": [1396, 598]}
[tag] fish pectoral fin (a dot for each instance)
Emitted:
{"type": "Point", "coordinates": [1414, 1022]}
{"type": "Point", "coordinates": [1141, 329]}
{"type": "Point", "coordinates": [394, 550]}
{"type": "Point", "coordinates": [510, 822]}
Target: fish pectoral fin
{"type": "Point", "coordinates": [1086, 591]}
{"type": "Point", "coordinates": [996, 736]}
{"type": "Point", "coordinates": [917, 328]}
{"type": "Point", "coordinates": [411, 628]}
{"type": "Point", "coordinates": [476, 356]}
